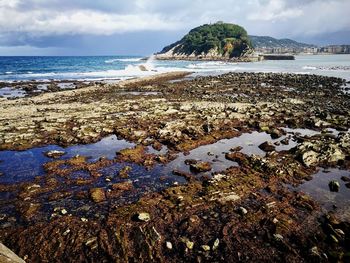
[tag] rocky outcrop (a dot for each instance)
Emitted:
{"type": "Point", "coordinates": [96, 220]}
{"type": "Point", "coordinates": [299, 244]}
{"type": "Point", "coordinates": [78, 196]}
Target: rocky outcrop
{"type": "Point", "coordinates": [219, 41]}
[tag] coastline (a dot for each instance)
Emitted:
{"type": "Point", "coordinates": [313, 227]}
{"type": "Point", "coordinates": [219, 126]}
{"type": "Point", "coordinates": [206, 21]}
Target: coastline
{"type": "Point", "coordinates": [207, 216]}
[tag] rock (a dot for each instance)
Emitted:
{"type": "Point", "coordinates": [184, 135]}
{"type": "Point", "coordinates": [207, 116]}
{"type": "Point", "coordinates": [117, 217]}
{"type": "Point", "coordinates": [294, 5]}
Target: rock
{"type": "Point", "coordinates": [169, 245]}
{"type": "Point", "coordinates": [236, 149]}
{"type": "Point", "coordinates": [334, 186]}
{"type": "Point", "coordinates": [189, 244]}
{"type": "Point", "coordinates": [98, 195]}
{"type": "Point", "coordinates": [6, 255]}
{"type": "Point", "coordinates": [310, 158]}
{"type": "Point", "coordinates": [285, 141]}
{"type": "Point", "coordinates": [124, 172]}
{"type": "Point", "coordinates": [54, 154]}
{"type": "Point", "coordinates": [345, 179]}
{"type": "Point", "coordinates": [190, 161]}
{"type": "Point", "coordinates": [143, 68]}
{"type": "Point", "coordinates": [278, 237]}
{"type": "Point", "coordinates": [205, 247]}
{"type": "Point", "coordinates": [216, 244]}
{"type": "Point", "coordinates": [200, 167]}
{"type": "Point", "coordinates": [242, 210]}
{"type": "Point", "coordinates": [347, 185]}
{"type": "Point", "coordinates": [64, 211]}
{"type": "Point", "coordinates": [267, 147]}
{"type": "Point", "coordinates": [145, 217]}
{"type": "Point", "coordinates": [276, 133]}
{"type": "Point", "coordinates": [123, 186]}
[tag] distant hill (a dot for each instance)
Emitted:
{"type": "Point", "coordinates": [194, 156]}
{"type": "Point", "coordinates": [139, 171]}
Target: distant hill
{"type": "Point", "coordinates": [270, 42]}
{"type": "Point", "coordinates": [210, 41]}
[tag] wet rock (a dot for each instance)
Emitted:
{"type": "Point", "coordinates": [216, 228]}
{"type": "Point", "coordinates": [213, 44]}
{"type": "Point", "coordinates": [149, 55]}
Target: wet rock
{"type": "Point", "coordinates": [200, 167]}
{"type": "Point", "coordinates": [334, 186]}
{"type": "Point", "coordinates": [267, 147]}
{"type": "Point", "coordinates": [285, 141]}
{"type": "Point", "coordinates": [190, 161]}
{"type": "Point", "coordinates": [345, 179]}
{"type": "Point", "coordinates": [236, 149]}
{"type": "Point", "coordinates": [144, 217]}
{"type": "Point", "coordinates": [98, 195]}
{"type": "Point", "coordinates": [310, 158]}
{"type": "Point", "coordinates": [189, 177]}
{"type": "Point", "coordinates": [54, 154]}
{"type": "Point", "coordinates": [123, 186]}
{"type": "Point", "coordinates": [276, 133]}
{"type": "Point", "coordinates": [124, 172]}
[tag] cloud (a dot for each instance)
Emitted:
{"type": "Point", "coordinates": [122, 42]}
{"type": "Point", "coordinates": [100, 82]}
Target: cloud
{"type": "Point", "coordinates": [37, 22]}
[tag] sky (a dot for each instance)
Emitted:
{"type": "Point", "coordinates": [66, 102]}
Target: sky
{"type": "Point", "coordinates": [142, 27]}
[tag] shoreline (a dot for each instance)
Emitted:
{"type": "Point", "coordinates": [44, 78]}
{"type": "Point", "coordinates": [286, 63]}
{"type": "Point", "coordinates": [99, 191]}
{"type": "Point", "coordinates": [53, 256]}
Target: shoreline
{"type": "Point", "coordinates": [207, 212]}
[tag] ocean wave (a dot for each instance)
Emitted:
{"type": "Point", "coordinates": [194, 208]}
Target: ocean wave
{"type": "Point", "coordinates": [310, 68]}
{"type": "Point", "coordinates": [210, 65]}
{"type": "Point", "coordinates": [110, 61]}
{"type": "Point", "coordinates": [129, 71]}
{"type": "Point", "coordinates": [328, 68]}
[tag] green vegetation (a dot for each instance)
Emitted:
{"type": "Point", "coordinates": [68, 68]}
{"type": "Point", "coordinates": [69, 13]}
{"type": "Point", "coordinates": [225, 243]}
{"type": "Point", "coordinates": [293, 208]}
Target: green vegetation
{"type": "Point", "coordinates": [229, 40]}
{"type": "Point", "coordinates": [270, 42]}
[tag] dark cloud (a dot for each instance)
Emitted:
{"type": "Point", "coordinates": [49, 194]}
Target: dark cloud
{"type": "Point", "coordinates": [68, 24]}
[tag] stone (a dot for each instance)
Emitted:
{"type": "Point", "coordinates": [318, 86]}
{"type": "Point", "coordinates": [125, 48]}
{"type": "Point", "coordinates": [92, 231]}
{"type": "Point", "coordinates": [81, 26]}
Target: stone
{"type": "Point", "coordinates": [123, 186]}
{"type": "Point", "coordinates": [205, 247]}
{"type": "Point", "coordinates": [278, 237]}
{"type": "Point", "coordinates": [236, 149]}
{"type": "Point", "coordinates": [145, 217]}
{"type": "Point", "coordinates": [200, 167]}
{"type": "Point", "coordinates": [54, 154]}
{"type": "Point", "coordinates": [189, 244]}
{"type": "Point", "coordinates": [242, 210]}
{"type": "Point", "coordinates": [345, 179]}
{"type": "Point", "coordinates": [216, 244]}
{"type": "Point", "coordinates": [64, 211]}
{"type": "Point", "coordinates": [334, 186]}
{"type": "Point", "coordinates": [310, 158]}
{"type": "Point", "coordinates": [169, 245]}
{"type": "Point", "coordinates": [98, 195]}
{"type": "Point", "coordinates": [267, 147]}
{"type": "Point", "coordinates": [124, 172]}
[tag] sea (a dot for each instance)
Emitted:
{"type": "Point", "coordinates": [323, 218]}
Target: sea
{"type": "Point", "coordinates": [114, 68]}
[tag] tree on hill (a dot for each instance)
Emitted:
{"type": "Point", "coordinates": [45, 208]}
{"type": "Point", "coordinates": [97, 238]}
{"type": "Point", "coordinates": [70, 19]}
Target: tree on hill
{"type": "Point", "coordinates": [229, 39]}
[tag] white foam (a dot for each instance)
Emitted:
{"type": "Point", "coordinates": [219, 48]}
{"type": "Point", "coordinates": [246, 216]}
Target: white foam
{"type": "Point", "coordinates": [8, 72]}
{"type": "Point", "coordinates": [309, 68]}
{"type": "Point", "coordinates": [110, 61]}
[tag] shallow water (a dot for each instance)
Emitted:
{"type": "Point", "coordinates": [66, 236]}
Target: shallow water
{"type": "Point", "coordinates": [318, 189]}
{"type": "Point", "coordinates": [8, 92]}
{"type": "Point", "coordinates": [19, 166]}
{"type": "Point", "coordinates": [31, 161]}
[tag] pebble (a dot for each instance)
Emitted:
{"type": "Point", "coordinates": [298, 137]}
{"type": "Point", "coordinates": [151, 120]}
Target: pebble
{"type": "Point", "coordinates": [216, 244]}
{"type": "Point", "coordinates": [169, 245]}
{"type": "Point", "coordinates": [145, 217]}
{"type": "Point", "coordinates": [206, 247]}
{"type": "Point", "coordinates": [64, 211]}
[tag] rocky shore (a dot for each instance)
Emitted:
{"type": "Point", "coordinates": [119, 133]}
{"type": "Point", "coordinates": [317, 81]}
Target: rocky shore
{"type": "Point", "coordinates": [104, 210]}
